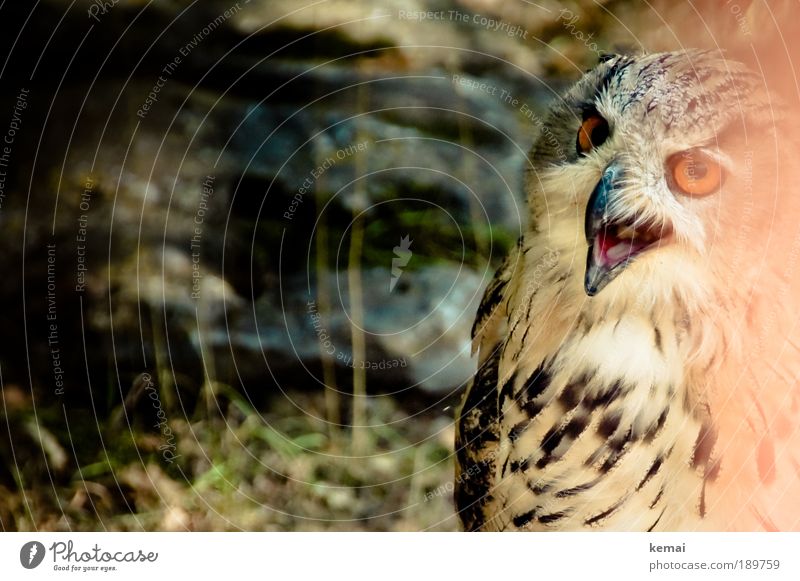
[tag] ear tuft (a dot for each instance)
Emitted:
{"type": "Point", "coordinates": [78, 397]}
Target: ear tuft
{"type": "Point", "coordinates": [620, 50]}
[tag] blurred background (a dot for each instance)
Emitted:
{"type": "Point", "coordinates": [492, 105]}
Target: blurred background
{"type": "Point", "coordinates": [244, 242]}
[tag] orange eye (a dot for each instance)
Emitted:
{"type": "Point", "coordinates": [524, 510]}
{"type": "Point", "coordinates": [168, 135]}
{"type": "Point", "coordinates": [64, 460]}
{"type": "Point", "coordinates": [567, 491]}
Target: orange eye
{"type": "Point", "coordinates": [695, 173]}
{"type": "Point", "coordinates": [593, 133]}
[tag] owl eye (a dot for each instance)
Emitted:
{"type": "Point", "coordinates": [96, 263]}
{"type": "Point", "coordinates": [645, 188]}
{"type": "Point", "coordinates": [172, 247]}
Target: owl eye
{"type": "Point", "coordinates": [695, 173]}
{"type": "Point", "coordinates": [593, 133]}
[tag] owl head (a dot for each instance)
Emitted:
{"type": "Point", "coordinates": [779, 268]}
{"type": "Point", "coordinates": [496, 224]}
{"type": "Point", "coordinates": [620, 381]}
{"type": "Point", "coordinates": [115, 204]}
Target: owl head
{"type": "Point", "coordinates": [655, 176]}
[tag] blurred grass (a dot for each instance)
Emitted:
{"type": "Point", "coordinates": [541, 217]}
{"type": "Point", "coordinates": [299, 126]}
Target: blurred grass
{"type": "Point", "coordinates": [240, 470]}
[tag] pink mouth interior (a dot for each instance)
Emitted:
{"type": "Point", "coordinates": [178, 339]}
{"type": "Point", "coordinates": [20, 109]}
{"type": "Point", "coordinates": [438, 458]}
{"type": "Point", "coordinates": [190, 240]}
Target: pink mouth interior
{"type": "Point", "coordinates": [610, 250]}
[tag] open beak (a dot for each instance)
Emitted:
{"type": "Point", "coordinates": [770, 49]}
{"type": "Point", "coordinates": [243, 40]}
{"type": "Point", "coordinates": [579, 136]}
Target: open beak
{"type": "Point", "coordinates": [613, 243]}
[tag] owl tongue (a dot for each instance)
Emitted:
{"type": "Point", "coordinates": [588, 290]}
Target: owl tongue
{"type": "Point", "coordinates": [610, 249]}
{"type": "Point", "coordinates": [606, 242]}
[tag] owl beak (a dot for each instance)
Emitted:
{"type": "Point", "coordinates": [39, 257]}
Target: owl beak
{"type": "Point", "coordinates": [598, 275]}
{"type": "Point", "coordinates": [613, 243]}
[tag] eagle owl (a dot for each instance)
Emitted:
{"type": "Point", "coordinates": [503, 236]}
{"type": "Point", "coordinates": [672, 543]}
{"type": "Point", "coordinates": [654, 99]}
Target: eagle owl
{"type": "Point", "coordinates": [638, 356]}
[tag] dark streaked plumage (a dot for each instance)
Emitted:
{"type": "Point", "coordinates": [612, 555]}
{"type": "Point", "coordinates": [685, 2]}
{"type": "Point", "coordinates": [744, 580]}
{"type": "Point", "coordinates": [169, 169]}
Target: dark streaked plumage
{"type": "Point", "coordinates": [617, 387]}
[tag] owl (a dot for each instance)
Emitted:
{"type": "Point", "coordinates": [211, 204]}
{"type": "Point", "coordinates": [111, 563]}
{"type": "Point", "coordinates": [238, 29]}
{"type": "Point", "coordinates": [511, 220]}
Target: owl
{"type": "Point", "coordinates": [639, 350]}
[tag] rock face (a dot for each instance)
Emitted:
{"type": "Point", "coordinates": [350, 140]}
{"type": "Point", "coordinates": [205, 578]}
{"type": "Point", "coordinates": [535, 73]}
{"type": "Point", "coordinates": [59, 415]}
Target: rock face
{"type": "Point", "coordinates": [219, 201]}
{"type": "Point", "coordinates": [417, 334]}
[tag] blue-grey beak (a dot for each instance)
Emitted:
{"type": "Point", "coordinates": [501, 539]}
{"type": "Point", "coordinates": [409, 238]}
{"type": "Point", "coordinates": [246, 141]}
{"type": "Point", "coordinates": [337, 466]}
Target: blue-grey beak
{"type": "Point", "coordinates": [614, 243]}
{"type": "Point", "coordinates": [598, 275]}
